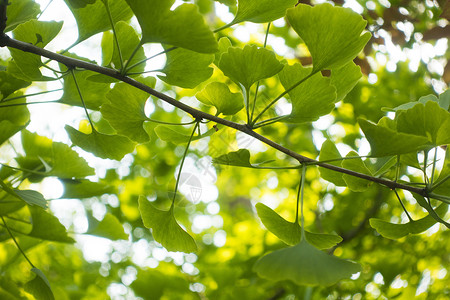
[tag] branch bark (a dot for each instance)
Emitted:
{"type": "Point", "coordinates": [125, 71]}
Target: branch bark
{"type": "Point", "coordinates": [196, 114]}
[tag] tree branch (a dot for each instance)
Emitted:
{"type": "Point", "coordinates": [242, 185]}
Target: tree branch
{"type": "Point", "coordinates": [196, 114]}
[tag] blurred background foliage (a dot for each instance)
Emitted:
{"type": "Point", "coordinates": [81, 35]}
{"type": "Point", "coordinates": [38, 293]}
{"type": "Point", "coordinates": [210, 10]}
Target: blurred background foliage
{"type": "Point", "coordinates": [403, 61]}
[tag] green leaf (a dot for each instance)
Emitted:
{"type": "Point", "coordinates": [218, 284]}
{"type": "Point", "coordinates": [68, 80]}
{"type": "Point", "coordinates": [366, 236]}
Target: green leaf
{"type": "Point", "coordinates": [32, 197]}
{"type": "Point", "coordinates": [20, 11]}
{"type": "Point", "coordinates": [39, 34]}
{"type": "Point", "coordinates": [332, 34]}
{"type": "Point", "coordinates": [125, 110]}
{"type": "Point", "coordinates": [344, 79]}
{"type": "Point", "coordinates": [109, 227]}
{"type": "Point", "coordinates": [397, 231]}
{"type": "Point", "coordinates": [13, 119]}
{"type": "Point", "coordinates": [183, 27]}
{"type": "Point", "coordinates": [92, 18]}
{"type": "Point", "coordinates": [83, 188]}
{"type": "Point", "coordinates": [409, 105]}
{"type": "Point", "coordinates": [39, 287]}
{"type": "Point", "coordinates": [444, 187]}
{"type": "Point", "coordinates": [262, 11]}
{"type": "Point", "coordinates": [444, 100]}
{"type": "Point", "coordinates": [356, 184]}
{"type": "Point", "coordinates": [224, 44]}
{"type": "Point", "coordinates": [47, 227]}
{"type": "Point", "coordinates": [165, 228]}
{"type": "Point", "coordinates": [94, 93]}
{"type": "Point", "coordinates": [428, 120]}
{"type": "Point", "coordinates": [9, 84]}
{"type": "Point", "coordinates": [330, 152]}
{"type": "Point", "coordinates": [101, 145]}
{"type": "Point", "coordinates": [240, 158]}
{"type": "Point", "coordinates": [313, 98]}
{"type": "Point", "coordinates": [186, 68]}
{"type": "Point", "coordinates": [80, 3]}
{"type": "Point", "coordinates": [219, 95]}
{"type": "Point", "coordinates": [304, 265]}
{"type": "Point", "coordinates": [248, 65]}
{"type": "Point", "coordinates": [291, 232]}
{"type": "Point", "coordinates": [178, 136]}
{"type": "Point", "coordinates": [433, 213]}
{"type": "Point", "coordinates": [385, 141]}
{"type": "Point", "coordinates": [64, 162]}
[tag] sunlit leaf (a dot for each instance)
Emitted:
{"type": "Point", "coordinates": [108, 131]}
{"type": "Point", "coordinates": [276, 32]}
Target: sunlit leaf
{"type": "Point", "coordinates": [385, 141]}
{"type": "Point", "coordinates": [9, 84]}
{"type": "Point", "coordinates": [125, 110]}
{"type": "Point", "coordinates": [240, 158]}
{"type": "Point", "coordinates": [396, 231]}
{"type": "Point", "coordinates": [356, 184]}
{"type": "Point", "coordinates": [224, 44]}
{"type": "Point", "coordinates": [39, 34]}
{"type": "Point", "coordinates": [186, 68]}
{"type": "Point", "coordinates": [330, 152]}
{"type": "Point", "coordinates": [250, 64]}
{"type": "Point", "coordinates": [20, 11]}
{"type": "Point", "coordinates": [32, 197]}
{"type": "Point", "coordinates": [83, 188]}
{"type": "Point", "coordinates": [218, 94]}
{"type": "Point", "coordinates": [433, 213]}
{"type": "Point", "coordinates": [182, 27]}
{"type": "Point", "coordinates": [313, 98]}
{"type": "Point", "coordinates": [332, 34]}
{"type": "Point", "coordinates": [13, 119]}
{"type": "Point", "coordinates": [47, 227]}
{"type": "Point", "coordinates": [444, 177]}
{"type": "Point", "coordinates": [304, 265]}
{"type": "Point", "coordinates": [444, 100]}
{"type": "Point", "coordinates": [262, 11]}
{"type": "Point", "coordinates": [165, 228]}
{"type": "Point", "coordinates": [176, 135]}
{"type": "Point", "coordinates": [102, 145]}
{"type": "Point", "coordinates": [344, 79]}
{"type": "Point", "coordinates": [39, 287]}
{"type": "Point", "coordinates": [109, 227]}
{"type": "Point", "coordinates": [80, 3]}
{"type": "Point", "coordinates": [291, 232]}
{"type": "Point", "coordinates": [92, 18]}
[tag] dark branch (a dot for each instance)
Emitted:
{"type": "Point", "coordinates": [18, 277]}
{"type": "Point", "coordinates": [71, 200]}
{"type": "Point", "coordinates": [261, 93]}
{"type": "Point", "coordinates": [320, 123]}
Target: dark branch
{"type": "Point", "coordinates": [3, 17]}
{"type": "Point", "coordinates": [197, 114]}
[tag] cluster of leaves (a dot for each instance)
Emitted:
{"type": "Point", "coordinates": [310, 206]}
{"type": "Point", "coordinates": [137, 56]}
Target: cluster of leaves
{"type": "Point", "coordinates": [241, 84]}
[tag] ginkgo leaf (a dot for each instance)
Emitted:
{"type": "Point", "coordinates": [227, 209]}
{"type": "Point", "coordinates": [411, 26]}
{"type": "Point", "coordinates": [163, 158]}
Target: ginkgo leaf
{"type": "Point", "coordinates": [39, 286]}
{"type": "Point", "coordinates": [304, 264]}
{"type": "Point", "coordinates": [125, 110]}
{"type": "Point", "coordinates": [345, 78]}
{"type": "Point", "coordinates": [224, 43]}
{"type": "Point", "coordinates": [186, 68]}
{"type": "Point", "coordinates": [32, 197]}
{"type": "Point", "coordinates": [39, 34]}
{"type": "Point", "coordinates": [13, 119]}
{"type": "Point", "coordinates": [262, 11]}
{"type": "Point", "coordinates": [332, 34]}
{"type": "Point", "coordinates": [356, 184]}
{"type": "Point", "coordinates": [109, 227]}
{"type": "Point", "coordinates": [397, 231]}
{"type": "Point", "coordinates": [92, 18]}
{"type": "Point", "coordinates": [175, 135]}
{"type": "Point", "coordinates": [248, 65]}
{"type": "Point", "coordinates": [313, 98]}
{"type": "Point", "coordinates": [20, 11]}
{"type": "Point", "coordinates": [182, 27]}
{"type": "Point", "coordinates": [219, 95]}
{"type": "Point", "coordinates": [330, 152]}
{"type": "Point", "coordinates": [240, 158]}
{"type": "Point", "coordinates": [444, 100]}
{"type": "Point", "coordinates": [165, 228]}
{"type": "Point", "coordinates": [291, 232]}
{"type": "Point", "coordinates": [83, 188]}
{"type": "Point", "coordinates": [428, 120]}
{"type": "Point", "coordinates": [385, 141]}
{"type": "Point", "coordinates": [102, 145]}
{"type": "Point", "coordinates": [47, 227]}
{"type": "Point", "coordinates": [432, 212]}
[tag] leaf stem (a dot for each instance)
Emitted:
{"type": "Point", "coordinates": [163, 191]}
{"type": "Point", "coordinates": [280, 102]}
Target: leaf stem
{"type": "Point", "coordinates": [82, 100]}
{"type": "Point", "coordinates": [301, 192]}
{"type": "Point", "coordinates": [168, 123]}
{"type": "Point", "coordinates": [269, 121]}
{"type": "Point", "coordinates": [108, 12]}
{"type": "Point", "coordinates": [434, 166]}
{"type": "Point", "coordinates": [282, 94]}
{"type": "Point", "coordinates": [29, 95]}
{"type": "Point", "coordinates": [28, 103]}
{"type": "Point", "coordinates": [182, 163]}
{"type": "Point", "coordinates": [148, 58]}
{"type": "Point", "coordinates": [440, 182]}
{"type": "Point", "coordinates": [15, 242]}
{"type": "Point", "coordinates": [125, 68]}
{"type": "Point", "coordinates": [403, 206]}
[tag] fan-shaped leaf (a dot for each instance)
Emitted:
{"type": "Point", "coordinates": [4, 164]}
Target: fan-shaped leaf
{"type": "Point", "coordinates": [39, 287]}
{"type": "Point", "coordinates": [109, 227]}
{"type": "Point", "coordinates": [219, 95]}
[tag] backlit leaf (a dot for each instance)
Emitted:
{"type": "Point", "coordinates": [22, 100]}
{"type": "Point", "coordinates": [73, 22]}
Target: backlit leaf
{"type": "Point", "coordinates": [330, 152]}
{"type": "Point", "coordinates": [313, 98]}
{"type": "Point", "coordinates": [47, 227]}
{"type": "Point", "coordinates": [304, 264]}
{"type": "Point", "coordinates": [32, 197]}
{"type": "Point", "coordinates": [433, 213]}
{"type": "Point", "coordinates": [183, 27]}
{"type": "Point", "coordinates": [39, 287]}
{"type": "Point", "coordinates": [332, 34]}
{"type": "Point", "coordinates": [240, 158]}
{"type": "Point", "coordinates": [102, 145]}
{"type": "Point", "coordinates": [262, 11]}
{"type": "Point", "coordinates": [83, 188]}
{"type": "Point", "coordinates": [219, 95]}
{"type": "Point", "coordinates": [291, 232]}
{"type": "Point", "coordinates": [250, 64]}
{"type": "Point", "coordinates": [186, 68]}
{"type": "Point", "coordinates": [356, 184]}
{"type": "Point", "coordinates": [20, 11]}
{"type": "Point", "coordinates": [109, 227]}
{"type": "Point", "coordinates": [165, 228]}
{"type": "Point", "coordinates": [176, 135]}
{"type": "Point", "coordinates": [345, 78]}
